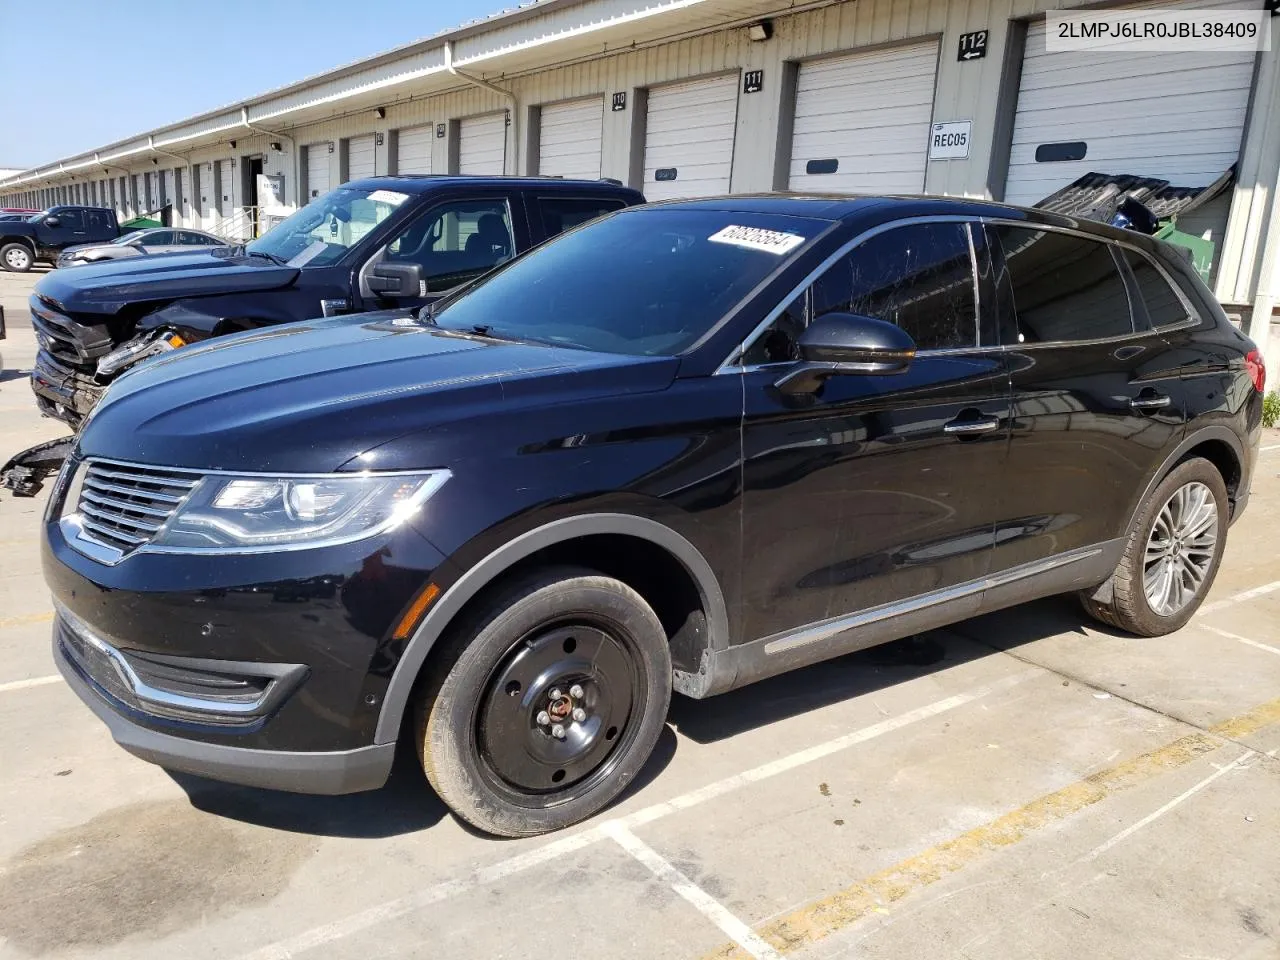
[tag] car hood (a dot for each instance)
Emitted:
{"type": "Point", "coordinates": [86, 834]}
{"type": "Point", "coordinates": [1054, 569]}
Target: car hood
{"type": "Point", "coordinates": [82, 247]}
{"type": "Point", "coordinates": [309, 397]}
{"type": "Point", "coordinates": [109, 286]}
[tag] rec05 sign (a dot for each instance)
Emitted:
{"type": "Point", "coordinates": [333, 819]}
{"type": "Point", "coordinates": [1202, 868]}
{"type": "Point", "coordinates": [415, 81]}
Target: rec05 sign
{"type": "Point", "coordinates": [950, 141]}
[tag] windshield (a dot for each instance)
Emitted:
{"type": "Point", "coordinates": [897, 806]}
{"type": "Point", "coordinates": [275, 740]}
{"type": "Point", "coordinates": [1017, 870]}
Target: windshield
{"type": "Point", "coordinates": [326, 228]}
{"type": "Point", "coordinates": [36, 217]}
{"type": "Point", "coordinates": [128, 237]}
{"type": "Point", "coordinates": [650, 281]}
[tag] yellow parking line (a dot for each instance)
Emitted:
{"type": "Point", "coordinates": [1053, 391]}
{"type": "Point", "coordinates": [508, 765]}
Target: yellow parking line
{"type": "Point", "coordinates": [25, 619]}
{"type": "Point", "coordinates": [816, 921]}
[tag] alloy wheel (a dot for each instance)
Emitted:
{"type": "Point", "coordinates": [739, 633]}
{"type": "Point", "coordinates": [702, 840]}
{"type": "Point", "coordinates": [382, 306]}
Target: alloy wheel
{"type": "Point", "coordinates": [1180, 549]}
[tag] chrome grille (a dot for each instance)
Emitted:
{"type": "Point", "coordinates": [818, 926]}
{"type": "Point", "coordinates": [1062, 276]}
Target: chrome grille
{"type": "Point", "coordinates": [123, 505]}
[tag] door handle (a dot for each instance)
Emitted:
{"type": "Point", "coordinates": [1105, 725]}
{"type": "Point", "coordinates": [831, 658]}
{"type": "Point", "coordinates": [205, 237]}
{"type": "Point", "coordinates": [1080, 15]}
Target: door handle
{"type": "Point", "coordinates": [1155, 402]}
{"type": "Point", "coordinates": [965, 428]}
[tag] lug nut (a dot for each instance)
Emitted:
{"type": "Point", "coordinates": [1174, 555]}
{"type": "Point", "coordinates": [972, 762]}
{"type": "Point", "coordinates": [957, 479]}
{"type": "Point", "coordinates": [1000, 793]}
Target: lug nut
{"type": "Point", "coordinates": [579, 714]}
{"type": "Point", "coordinates": [558, 731]}
{"type": "Point", "coordinates": [576, 692]}
{"type": "Point", "coordinates": [543, 718]}
{"type": "Point", "coordinates": [555, 693]}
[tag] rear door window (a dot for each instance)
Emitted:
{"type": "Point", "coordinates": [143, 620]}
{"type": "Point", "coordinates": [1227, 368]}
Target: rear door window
{"type": "Point", "coordinates": [559, 214]}
{"type": "Point", "coordinates": [1165, 308]}
{"type": "Point", "coordinates": [1064, 287]}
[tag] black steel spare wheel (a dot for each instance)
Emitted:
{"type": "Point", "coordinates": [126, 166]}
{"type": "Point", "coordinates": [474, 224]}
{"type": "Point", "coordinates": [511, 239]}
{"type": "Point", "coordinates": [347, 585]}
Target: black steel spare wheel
{"type": "Point", "coordinates": [556, 711]}
{"type": "Point", "coordinates": [545, 701]}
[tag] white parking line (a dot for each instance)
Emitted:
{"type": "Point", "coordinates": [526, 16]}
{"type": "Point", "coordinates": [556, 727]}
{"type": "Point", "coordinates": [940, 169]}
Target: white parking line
{"type": "Point", "coordinates": [707, 905]}
{"type": "Point", "coordinates": [1156, 815]}
{"type": "Point", "coordinates": [1244, 595]}
{"type": "Point", "coordinates": [33, 682]}
{"type": "Point", "coordinates": [1271, 446]}
{"type": "Point", "coordinates": [1236, 636]}
{"type": "Point", "coordinates": [328, 933]}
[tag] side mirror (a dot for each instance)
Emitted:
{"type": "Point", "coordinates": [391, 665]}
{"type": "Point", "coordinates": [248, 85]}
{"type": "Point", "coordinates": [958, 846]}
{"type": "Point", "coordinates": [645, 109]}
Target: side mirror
{"type": "Point", "coordinates": [52, 222]}
{"type": "Point", "coordinates": [394, 280]}
{"type": "Point", "coordinates": [844, 343]}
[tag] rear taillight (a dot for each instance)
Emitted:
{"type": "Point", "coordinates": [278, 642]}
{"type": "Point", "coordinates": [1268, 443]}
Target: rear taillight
{"type": "Point", "coordinates": [1257, 370]}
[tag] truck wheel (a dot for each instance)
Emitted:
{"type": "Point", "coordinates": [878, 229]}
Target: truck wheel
{"type": "Point", "coordinates": [16, 257]}
{"type": "Point", "coordinates": [1172, 554]}
{"type": "Point", "coordinates": [545, 703]}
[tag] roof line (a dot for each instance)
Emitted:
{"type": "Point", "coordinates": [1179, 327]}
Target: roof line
{"type": "Point", "coordinates": [526, 11]}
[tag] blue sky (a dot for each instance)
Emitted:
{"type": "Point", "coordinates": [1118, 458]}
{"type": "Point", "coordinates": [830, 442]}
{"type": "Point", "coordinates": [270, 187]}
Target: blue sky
{"type": "Point", "coordinates": [66, 90]}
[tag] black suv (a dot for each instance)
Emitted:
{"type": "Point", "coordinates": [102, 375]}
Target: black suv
{"type": "Point", "coordinates": [687, 446]}
{"type": "Point", "coordinates": [370, 244]}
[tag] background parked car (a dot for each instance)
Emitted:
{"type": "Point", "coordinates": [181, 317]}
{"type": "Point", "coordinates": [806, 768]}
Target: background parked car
{"type": "Point", "coordinates": [44, 236]}
{"type": "Point", "coordinates": [140, 243]}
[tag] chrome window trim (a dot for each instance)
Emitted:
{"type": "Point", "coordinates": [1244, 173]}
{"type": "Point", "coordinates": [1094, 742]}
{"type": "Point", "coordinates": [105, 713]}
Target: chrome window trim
{"type": "Point", "coordinates": [728, 365]}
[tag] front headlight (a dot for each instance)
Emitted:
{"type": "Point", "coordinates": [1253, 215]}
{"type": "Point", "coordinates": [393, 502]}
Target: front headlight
{"type": "Point", "coordinates": [258, 513]}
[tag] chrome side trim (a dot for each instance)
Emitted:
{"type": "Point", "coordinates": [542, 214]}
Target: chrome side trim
{"type": "Point", "coordinates": [823, 629]}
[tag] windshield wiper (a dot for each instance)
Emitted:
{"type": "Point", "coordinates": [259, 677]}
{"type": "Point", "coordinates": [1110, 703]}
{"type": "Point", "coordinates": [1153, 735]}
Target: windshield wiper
{"type": "Point", "coordinates": [267, 256]}
{"type": "Point", "coordinates": [427, 313]}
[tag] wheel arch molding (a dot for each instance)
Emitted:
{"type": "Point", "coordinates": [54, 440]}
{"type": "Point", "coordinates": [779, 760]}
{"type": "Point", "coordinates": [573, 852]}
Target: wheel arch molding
{"type": "Point", "coordinates": [1199, 436]}
{"type": "Point", "coordinates": [557, 532]}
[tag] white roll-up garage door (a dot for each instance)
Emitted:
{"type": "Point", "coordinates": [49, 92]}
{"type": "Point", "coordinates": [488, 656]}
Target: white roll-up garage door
{"type": "Point", "coordinates": [360, 157]}
{"type": "Point", "coordinates": [413, 150]}
{"type": "Point", "coordinates": [482, 146]}
{"type": "Point", "coordinates": [1176, 116]}
{"type": "Point", "coordinates": [184, 193]}
{"type": "Point", "coordinates": [226, 188]}
{"type": "Point", "coordinates": [862, 121]}
{"type": "Point", "coordinates": [317, 170]}
{"type": "Point", "coordinates": [688, 145]}
{"type": "Point", "coordinates": [570, 137]}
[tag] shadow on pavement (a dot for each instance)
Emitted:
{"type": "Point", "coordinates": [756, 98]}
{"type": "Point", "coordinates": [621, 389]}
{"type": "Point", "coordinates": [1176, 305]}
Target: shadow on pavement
{"type": "Point", "coordinates": [876, 668]}
{"type": "Point", "coordinates": [406, 804]}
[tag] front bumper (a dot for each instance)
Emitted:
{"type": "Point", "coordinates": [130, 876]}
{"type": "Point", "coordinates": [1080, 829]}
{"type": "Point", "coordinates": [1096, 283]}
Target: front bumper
{"type": "Point", "coordinates": [62, 391]}
{"type": "Point", "coordinates": [331, 772]}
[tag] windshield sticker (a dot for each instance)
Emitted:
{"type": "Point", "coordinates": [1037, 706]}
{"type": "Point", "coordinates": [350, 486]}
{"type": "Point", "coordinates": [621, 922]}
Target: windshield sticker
{"type": "Point", "coordinates": [388, 196]}
{"type": "Point", "coordinates": [756, 238]}
{"type": "Point", "coordinates": [308, 254]}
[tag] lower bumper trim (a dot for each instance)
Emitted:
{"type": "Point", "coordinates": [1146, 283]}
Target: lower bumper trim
{"type": "Point", "coordinates": [341, 771]}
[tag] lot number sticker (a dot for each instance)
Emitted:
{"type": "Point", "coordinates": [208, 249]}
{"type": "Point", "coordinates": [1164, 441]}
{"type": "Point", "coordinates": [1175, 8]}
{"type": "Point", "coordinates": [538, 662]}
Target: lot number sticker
{"type": "Point", "coordinates": [755, 238]}
{"type": "Point", "coordinates": [950, 141]}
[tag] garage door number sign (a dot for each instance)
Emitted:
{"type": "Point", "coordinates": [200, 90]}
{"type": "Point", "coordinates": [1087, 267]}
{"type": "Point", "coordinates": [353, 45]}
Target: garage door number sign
{"type": "Point", "coordinates": [950, 140]}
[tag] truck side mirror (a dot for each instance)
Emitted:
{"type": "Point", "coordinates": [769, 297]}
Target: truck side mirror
{"type": "Point", "coordinates": [395, 280]}
{"type": "Point", "coordinates": [52, 222]}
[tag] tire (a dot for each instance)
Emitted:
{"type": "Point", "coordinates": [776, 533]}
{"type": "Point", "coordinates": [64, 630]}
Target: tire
{"type": "Point", "coordinates": [1190, 560]}
{"type": "Point", "coordinates": [16, 257]}
{"type": "Point", "coordinates": [486, 717]}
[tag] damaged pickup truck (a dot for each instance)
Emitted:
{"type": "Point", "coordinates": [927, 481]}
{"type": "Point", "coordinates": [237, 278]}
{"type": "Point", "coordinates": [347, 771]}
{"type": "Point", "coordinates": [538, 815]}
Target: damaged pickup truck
{"type": "Point", "coordinates": [374, 244]}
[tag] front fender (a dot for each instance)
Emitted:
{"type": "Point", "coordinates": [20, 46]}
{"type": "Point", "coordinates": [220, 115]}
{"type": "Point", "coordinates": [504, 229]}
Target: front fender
{"type": "Point", "coordinates": [200, 319]}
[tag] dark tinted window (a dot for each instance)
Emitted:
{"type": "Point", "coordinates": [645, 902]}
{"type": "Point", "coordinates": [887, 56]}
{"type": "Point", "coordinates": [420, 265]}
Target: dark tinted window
{"type": "Point", "coordinates": [189, 239]}
{"type": "Point", "coordinates": [100, 221]}
{"type": "Point", "coordinates": [564, 213]}
{"type": "Point", "coordinates": [456, 242]}
{"type": "Point", "coordinates": [1164, 306]}
{"type": "Point", "coordinates": [650, 281]}
{"type": "Point", "coordinates": [69, 218]}
{"type": "Point", "coordinates": [160, 238]}
{"type": "Point", "coordinates": [918, 276]}
{"type": "Point", "coordinates": [1064, 287]}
